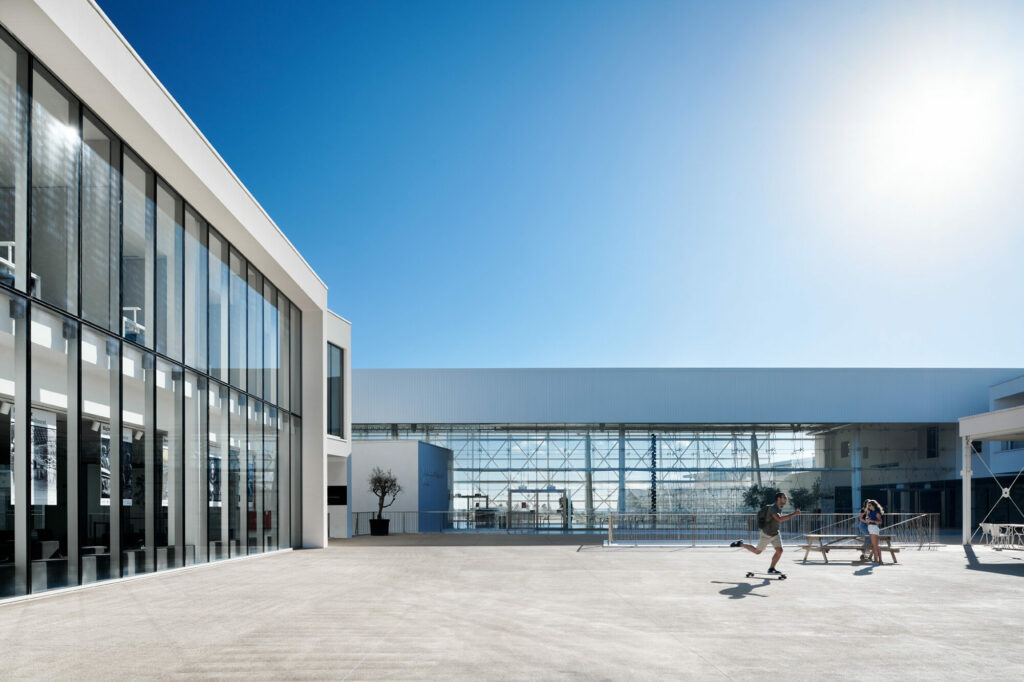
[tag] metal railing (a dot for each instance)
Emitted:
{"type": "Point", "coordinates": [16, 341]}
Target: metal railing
{"type": "Point", "coordinates": [480, 521]}
{"type": "Point", "coordinates": [717, 529]}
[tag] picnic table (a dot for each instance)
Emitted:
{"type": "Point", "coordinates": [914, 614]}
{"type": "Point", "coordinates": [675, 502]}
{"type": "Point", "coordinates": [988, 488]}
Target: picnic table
{"type": "Point", "coordinates": [828, 543]}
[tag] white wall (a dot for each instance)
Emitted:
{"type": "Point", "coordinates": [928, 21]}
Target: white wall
{"type": "Point", "coordinates": [401, 457]}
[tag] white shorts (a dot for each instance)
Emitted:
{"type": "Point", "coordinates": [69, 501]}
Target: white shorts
{"type": "Point", "coordinates": [873, 529]}
{"type": "Point", "coordinates": [765, 540]}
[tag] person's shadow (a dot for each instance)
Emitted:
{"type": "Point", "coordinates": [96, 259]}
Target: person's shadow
{"type": "Point", "coordinates": [741, 590]}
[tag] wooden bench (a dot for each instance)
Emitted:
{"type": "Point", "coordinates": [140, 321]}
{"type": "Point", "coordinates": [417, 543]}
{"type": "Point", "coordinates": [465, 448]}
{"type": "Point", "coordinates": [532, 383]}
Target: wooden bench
{"type": "Point", "coordinates": [827, 543]}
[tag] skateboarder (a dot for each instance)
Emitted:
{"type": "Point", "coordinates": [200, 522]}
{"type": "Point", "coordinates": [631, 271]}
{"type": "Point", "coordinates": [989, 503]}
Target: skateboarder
{"type": "Point", "coordinates": [769, 530]}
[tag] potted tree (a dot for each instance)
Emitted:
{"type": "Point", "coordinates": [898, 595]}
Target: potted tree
{"type": "Point", "coordinates": [382, 484]}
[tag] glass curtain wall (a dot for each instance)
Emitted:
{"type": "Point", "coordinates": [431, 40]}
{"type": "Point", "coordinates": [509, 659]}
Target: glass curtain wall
{"type": "Point", "coordinates": [53, 204]}
{"type": "Point", "coordinates": [254, 477]}
{"type": "Point", "coordinates": [101, 233]}
{"type": "Point", "coordinates": [136, 462]}
{"type": "Point", "coordinates": [100, 400]}
{"type": "Point", "coordinates": [13, 167]}
{"type": "Point", "coordinates": [144, 362]}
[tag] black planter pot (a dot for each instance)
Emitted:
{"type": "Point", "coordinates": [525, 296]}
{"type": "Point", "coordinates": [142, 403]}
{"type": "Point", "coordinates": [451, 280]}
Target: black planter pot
{"type": "Point", "coordinates": [379, 526]}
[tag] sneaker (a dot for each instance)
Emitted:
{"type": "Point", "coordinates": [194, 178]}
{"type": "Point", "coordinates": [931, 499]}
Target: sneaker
{"type": "Point", "coordinates": [738, 543]}
{"type": "Point", "coordinates": [774, 571]}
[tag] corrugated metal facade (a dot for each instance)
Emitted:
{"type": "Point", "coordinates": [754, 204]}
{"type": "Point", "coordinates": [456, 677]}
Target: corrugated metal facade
{"type": "Point", "coordinates": [678, 396]}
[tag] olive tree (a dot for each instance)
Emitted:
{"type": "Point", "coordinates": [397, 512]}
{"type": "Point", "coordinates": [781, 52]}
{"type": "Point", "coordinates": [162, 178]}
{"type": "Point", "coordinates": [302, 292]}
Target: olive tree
{"type": "Point", "coordinates": [384, 484]}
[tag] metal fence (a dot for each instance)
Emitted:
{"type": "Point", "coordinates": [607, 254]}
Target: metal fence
{"type": "Point", "coordinates": [717, 529]}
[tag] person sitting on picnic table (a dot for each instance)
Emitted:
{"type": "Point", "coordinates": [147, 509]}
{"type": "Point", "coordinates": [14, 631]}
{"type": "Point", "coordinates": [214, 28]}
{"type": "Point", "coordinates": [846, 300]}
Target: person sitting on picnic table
{"type": "Point", "coordinates": [862, 524]}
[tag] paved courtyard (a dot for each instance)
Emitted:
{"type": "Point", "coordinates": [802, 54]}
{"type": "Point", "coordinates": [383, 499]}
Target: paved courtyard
{"type": "Point", "coordinates": [491, 607]}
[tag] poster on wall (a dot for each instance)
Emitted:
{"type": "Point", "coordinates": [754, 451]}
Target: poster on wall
{"type": "Point", "coordinates": [251, 481]}
{"type": "Point", "coordinates": [44, 458]}
{"type": "Point", "coordinates": [213, 477]}
{"type": "Point", "coordinates": [104, 465]}
{"type": "Point", "coordinates": [126, 468]}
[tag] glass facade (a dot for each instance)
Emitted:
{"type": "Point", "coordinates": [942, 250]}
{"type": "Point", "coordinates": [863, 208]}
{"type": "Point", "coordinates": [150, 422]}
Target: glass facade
{"type": "Point", "coordinates": [146, 367]}
{"type": "Point", "coordinates": [603, 469]}
{"type": "Point", "coordinates": [335, 391]}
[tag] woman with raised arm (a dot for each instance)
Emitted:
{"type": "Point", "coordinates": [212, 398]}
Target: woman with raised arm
{"type": "Point", "coordinates": [874, 520]}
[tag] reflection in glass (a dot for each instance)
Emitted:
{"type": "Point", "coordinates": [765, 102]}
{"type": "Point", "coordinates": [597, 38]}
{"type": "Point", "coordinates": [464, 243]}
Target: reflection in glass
{"type": "Point", "coordinates": [218, 307]}
{"type": "Point", "coordinates": [54, 205]}
{"type": "Point", "coordinates": [137, 252]}
{"type": "Point", "coordinates": [270, 352]}
{"type": "Point", "coordinates": [195, 469]}
{"type": "Point", "coordinates": [13, 171]}
{"type": "Point", "coordinates": [255, 336]}
{"type": "Point", "coordinates": [296, 353]}
{"type": "Point", "coordinates": [237, 331]}
{"type": "Point", "coordinates": [270, 516]}
{"type": "Point", "coordinates": [283, 482]}
{"type": "Point", "coordinates": [335, 405]}
{"type": "Point", "coordinates": [53, 445]}
{"type": "Point", "coordinates": [295, 457]}
{"type": "Point", "coordinates": [169, 273]}
{"type": "Point", "coordinates": [12, 340]}
{"type": "Point", "coordinates": [99, 400]}
{"type": "Point", "coordinates": [218, 473]}
{"type": "Point", "coordinates": [237, 502]}
{"type": "Point", "coordinates": [137, 436]}
{"type": "Point", "coordinates": [166, 479]}
{"type": "Point", "coordinates": [196, 262]}
{"type": "Point", "coordinates": [254, 477]}
{"type": "Point", "coordinates": [284, 362]}
{"type": "Point", "coordinates": [101, 234]}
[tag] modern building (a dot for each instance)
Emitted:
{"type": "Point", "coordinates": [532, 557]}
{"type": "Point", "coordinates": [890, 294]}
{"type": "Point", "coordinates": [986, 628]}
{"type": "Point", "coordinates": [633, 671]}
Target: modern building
{"type": "Point", "coordinates": [694, 440]}
{"type": "Point", "coordinates": [165, 352]}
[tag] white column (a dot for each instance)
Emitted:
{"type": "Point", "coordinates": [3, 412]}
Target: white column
{"type": "Point", "coordinates": [965, 474]}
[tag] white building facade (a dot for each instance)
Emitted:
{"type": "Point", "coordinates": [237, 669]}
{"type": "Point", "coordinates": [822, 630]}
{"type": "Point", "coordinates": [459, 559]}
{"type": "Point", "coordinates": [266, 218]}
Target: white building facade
{"type": "Point", "coordinates": [164, 349]}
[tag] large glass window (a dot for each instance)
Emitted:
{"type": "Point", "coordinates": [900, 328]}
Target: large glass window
{"type": "Point", "coordinates": [335, 391]}
{"type": "Point", "coordinates": [270, 459]}
{"type": "Point", "coordinates": [218, 474]}
{"type": "Point", "coordinates": [284, 347]}
{"type": "Point", "coordinates": [295, 457]}
{"type": "Point", "coordinates": [169, 272]}
{"type": "Point", "coordinates": [196, 280]}
{"type": "Point", "coordinates": [195, 469]}
{"type": "Point", "coordinates": [270, 352]}
{"type": "Point", "coordinates": [254, 476]}
{"type": "Point", "coordinates": [54, 205]}
{"type": "Point", "coordinates": [137, 252]}
{"type": "Point", "coordinates": [284, 478]}
{"type": "Point", "coordinates": [237, 497]}
{"type": "Point", "coordinates": [296, 354]}
{"type": "Point", "coordinates": [100, 389]}
{"type": "Point", "coordinates": [218, 307]}
{"type": "Point", "coordinates": [255, 355]}
{"type": "Point", "coordinates": [137, 437]}
{"type": "Point", "coordinates": [53, 444]}
{"type": "Point", "coordinates": [167, 467]}
{"type": "Point", "coordinates": [12, 347]}
{"type": "Point", "coordinates": [237, 330]}
{"type": "Point", "coordinates": [13, 175]}
{"type": "Point", "coordinates": [101, 232]}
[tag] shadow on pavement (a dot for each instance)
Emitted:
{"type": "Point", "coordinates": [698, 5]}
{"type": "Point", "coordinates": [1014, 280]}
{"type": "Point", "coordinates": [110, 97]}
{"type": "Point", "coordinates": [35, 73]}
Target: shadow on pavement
{"type": "Point", "coordinates": [973, 564]}
{"type": "Point", "coordinates": [741, 590]}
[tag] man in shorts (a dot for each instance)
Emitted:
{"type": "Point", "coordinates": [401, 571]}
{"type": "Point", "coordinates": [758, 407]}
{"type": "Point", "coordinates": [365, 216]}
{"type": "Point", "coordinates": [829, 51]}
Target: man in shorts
{"type": "Point", "coordinates": [770, 533]}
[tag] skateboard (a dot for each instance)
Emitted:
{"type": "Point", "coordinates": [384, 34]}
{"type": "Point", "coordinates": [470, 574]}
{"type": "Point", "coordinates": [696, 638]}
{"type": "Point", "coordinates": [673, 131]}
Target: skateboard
{"type": "Point", "coordinates": [767, 576]}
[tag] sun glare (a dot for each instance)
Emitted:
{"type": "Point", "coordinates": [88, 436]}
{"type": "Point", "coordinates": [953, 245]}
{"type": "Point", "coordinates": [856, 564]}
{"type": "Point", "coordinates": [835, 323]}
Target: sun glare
{"type": "Point", "coordinates": [932, 137]}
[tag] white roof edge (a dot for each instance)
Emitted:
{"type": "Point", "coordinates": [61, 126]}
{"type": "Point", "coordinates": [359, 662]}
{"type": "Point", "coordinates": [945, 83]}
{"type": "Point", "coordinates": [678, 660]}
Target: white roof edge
{"type": "Point", "coordinates": [195, 128]}
{"type": "Point", "coordinates": [331, 312]}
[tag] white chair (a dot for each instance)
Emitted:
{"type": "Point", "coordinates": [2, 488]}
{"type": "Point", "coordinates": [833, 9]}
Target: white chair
{"type": "Point", "coordinates": [999, 536]}
{"type": "Point", "coordinates": [986, 532]}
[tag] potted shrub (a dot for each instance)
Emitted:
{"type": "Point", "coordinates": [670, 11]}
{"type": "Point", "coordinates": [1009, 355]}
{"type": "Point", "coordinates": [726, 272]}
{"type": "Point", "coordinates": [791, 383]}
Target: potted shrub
{"type": "Point", "coordinates": [383, 484]}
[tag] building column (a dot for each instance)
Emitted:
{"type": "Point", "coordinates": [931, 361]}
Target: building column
{"type": "Point", "coordinates": [755, 459]}
{"type": "Point", "coordinates": [622, 470]}
{"type": "Point", "coordinates": [855, 457]}
{"type": "Point", "coordinates": [966, 475]}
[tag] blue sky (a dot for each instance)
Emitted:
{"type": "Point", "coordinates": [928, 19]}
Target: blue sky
{"type": "Point", "coordinates": [517, 184]}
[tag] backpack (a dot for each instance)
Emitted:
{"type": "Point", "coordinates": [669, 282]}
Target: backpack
{"type": "Point", "coordinates": [762, 517]}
